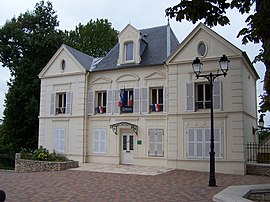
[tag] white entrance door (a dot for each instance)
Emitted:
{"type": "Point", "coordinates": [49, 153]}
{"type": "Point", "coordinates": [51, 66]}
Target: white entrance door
{"type": "Point", "coordinates": [127, 148]}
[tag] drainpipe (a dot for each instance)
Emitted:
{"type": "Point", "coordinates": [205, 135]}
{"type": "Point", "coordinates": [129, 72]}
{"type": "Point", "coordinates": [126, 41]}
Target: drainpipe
{"type": "Point", "coordinates": [85, 118]}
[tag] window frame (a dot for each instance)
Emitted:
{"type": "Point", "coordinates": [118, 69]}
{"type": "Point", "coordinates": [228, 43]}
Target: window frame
{"type": "Point", "coordinates": [100, 105]}
{"type": "Point", "coordinates": [97, 141]}
{"type": "Point", "coordinates": [59, 140]}
{"type": "Point", "coordinates": [153, 144]}
{"type": "Point", "coordinates": [204, 142]}
{"type": "Point", "coordinates": [129, 51]}
{"type": "Point", "coordinates": [156, 105]}
{"type": "Point", "coordinates": [127, 108]}
{"type": "Point", "coordinates": [206, 104]}
{"type": "Point", "coordinates": [61, 103]}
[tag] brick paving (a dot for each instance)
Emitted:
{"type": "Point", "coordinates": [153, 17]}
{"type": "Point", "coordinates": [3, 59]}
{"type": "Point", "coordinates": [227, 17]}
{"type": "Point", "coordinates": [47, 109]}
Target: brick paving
{"type": "Point", "coordinates": [73, 185]}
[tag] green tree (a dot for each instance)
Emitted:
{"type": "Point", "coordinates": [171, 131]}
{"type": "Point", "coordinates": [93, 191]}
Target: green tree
{"type": "Point", "coordinates": [95, 38]}
{"type": "Point", "coordinates": [214, 12]}
{"type": "Point", "coordinates": [26, 45]}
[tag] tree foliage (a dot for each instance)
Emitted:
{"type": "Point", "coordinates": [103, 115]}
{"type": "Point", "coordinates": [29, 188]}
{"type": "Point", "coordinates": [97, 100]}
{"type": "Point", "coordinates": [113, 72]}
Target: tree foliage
{"type": "Point", "coordinates": [214, 12]}
{"type": "Point", "coordinates": [26, 45]}
{"type": "Point", "coordinates": [95, 38]}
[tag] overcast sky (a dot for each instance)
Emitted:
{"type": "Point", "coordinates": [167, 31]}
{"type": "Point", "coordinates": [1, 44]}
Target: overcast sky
{"type": "Point", "coordinates": [139, 13]}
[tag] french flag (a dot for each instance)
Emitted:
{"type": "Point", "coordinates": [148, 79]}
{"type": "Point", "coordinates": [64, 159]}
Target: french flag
{"type": "Point", "coordinates": [157, 106]}
{"type": "Point", "coordinates": [100, 109]}
{"type": "Point", "coordinates": [130, 101]}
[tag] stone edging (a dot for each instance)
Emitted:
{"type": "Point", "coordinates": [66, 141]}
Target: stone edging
{"type": "Point", "coordinates": [236, 193]}
{"type": "Point", "coordinates": [24, 165]}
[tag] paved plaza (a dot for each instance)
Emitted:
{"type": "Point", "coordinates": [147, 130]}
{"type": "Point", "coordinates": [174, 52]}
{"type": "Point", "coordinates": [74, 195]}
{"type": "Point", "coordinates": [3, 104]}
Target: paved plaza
{"type": "Point", "coordinates": [88, 185]}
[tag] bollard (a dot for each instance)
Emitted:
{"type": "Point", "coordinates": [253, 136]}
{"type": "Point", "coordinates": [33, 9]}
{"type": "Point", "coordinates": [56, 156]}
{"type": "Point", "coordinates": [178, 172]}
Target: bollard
{"type": "Point", "coordinates": [2, 196]}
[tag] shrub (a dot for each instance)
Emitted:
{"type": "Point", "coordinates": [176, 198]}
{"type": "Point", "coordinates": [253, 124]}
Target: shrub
{"type": "Point", "coordinates": [42, 154]}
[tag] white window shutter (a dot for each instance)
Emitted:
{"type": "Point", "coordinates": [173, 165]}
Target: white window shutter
{"type": "Point", "coordinates": [116, 95]}
{"type": "Point", "coordinates": [191, 143]}
{"type": "Point", "coordinates": [99, 141]}
{"type": "Point", "coordinates": [199, 143]}
{"type": "Point", "coordinates": [159, 142]}
{"type": "Point", "coordinates": [207, 137]}
{"type": "Point", "coordinates": [165, 97]}
{"type": "Point", "coordinates": [109, 106]}
{"type": "Point", "coordinates": [217, 99]}
{"type": "Point", "coordinates": [90, 105]}
{"type": "Point", "coordinates": [152, 140]}
{"type": "Point", "coordinates": [136, 101]}
{"type": "Point", "coordinates": [69, 102]}
{"type": "Point", "coordinates": [218, 146]}
{"type": "Point", "coordinates": [62, 140]}
{"type": "Point", "coordinates": [102, 148]}
{"type": "Point", "coordinates": [52, 106]}
{"type": "Point", "coordinates": [190, 102]}
{"type": "Point", "coordinates": [56, 139]}
{"type": "Point", "coordinates": [144, 101]}
{"type": "Point", "coordinates": [59, 140]}
{"type": "Point", "coordinates": [96, 141]}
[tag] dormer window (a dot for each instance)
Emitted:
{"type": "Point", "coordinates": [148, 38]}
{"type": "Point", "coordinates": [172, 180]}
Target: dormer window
{"type": "Point", "coordinates": [129, 55]}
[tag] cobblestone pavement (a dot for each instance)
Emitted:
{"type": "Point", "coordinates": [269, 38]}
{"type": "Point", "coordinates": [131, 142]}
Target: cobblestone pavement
{"type": "Point", "coordinates": [74, 185]}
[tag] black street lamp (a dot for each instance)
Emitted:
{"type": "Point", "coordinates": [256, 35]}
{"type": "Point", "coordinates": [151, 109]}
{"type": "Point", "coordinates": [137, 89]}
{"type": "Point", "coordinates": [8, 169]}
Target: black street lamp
{"type": "Point", "coordinates": [197, 68]}
{"type": "Point", "coordinates": [260, 126]}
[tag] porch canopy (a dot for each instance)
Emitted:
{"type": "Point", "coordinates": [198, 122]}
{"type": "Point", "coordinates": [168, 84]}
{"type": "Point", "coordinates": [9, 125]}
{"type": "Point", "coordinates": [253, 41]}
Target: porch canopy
{"type": "Point", "coordinates": [132, 126]}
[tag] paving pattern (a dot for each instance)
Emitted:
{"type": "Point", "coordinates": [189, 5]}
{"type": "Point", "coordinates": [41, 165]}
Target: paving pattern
{"type": "Point", "coordinates": [76, 185]}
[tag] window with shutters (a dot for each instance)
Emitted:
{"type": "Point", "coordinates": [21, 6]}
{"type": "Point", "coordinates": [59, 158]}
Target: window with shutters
{"type": "Point", "coordinates": [101, 102]}
{"type": "Point", "coordinates": [61, 103]}
{"type": "Point", "coordinates": [157, 96]}
{"type": "Point", "coordinates": [198, 96]}
{"type": "Point", "coordinates": [198, 143]}
{"type": "Point", "coordinates": [156, 138]}
{"type": "Point", "coordinates": [99, 141]}
{"type": "Point", "coordinates": [59, 140]}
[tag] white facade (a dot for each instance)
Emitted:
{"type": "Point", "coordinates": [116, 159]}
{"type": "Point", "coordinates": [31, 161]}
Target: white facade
{"type": "Point", "coordinates": [164, 117]}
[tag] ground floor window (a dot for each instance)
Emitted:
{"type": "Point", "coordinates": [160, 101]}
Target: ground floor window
{"type": "Point", "coordinates": [59, 140]}
{"type": "Point", "coordinates": [99, 143]}
{"type": "Point", "coordinates": [156, 142]}
{"type": "Point", "coordinates": [198, 142]}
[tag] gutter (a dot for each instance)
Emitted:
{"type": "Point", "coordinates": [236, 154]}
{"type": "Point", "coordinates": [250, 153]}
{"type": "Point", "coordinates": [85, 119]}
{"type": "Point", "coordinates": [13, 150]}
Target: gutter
{"type": "Point", "coordinates": [85, 117]}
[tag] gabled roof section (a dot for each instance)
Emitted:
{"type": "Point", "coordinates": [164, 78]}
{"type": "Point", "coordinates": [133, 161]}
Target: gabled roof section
{"type": "Point", "coordinates": [84, 59]}
{"type": "Point", "coordinates": [192, 34]}
{"type": "Point", "coordinates": [153, 49]}
{"type": "Point", "coordinates": [225, 44]}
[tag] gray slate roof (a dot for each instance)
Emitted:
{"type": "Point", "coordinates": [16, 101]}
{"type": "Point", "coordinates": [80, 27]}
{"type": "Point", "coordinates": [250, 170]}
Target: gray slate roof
{"type": "Point", "coordinates": [84, 59]}
{"type": "Point", "coordinates": [153, 49]}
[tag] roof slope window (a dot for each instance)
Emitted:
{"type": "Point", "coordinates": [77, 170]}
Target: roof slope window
{"type": "Point", "coordinates": [129, 55]}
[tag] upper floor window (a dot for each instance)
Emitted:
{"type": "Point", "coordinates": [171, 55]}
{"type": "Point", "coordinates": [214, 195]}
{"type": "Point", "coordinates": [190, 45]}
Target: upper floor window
{"type": "Point", "coordinates": [203, 100]}
{"type": "Point", "coordinates": [198, 96]}
{"type": "Point", "coordinates": [156, 99]}
{"type": "Point", "coordinates": [61, 103]}
{"type": "Point", "coordinates": [129, 55]}
{"type": "Point", "coordinates": [101, 102]}
{"type": "Point", "coordinates": [127, 100]}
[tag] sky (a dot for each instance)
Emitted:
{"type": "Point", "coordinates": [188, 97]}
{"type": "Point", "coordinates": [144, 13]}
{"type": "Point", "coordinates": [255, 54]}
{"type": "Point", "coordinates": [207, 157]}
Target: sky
{"type": "Point", "coordinates": [140, 13]}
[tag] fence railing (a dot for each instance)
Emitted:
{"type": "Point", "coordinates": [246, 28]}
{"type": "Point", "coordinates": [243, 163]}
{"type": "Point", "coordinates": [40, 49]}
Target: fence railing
{"type": "Point", "coordinates": [258, 153]}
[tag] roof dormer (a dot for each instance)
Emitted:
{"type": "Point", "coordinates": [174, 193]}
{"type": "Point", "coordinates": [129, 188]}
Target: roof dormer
{"type": "Point", "coordinates": [129, 46]}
